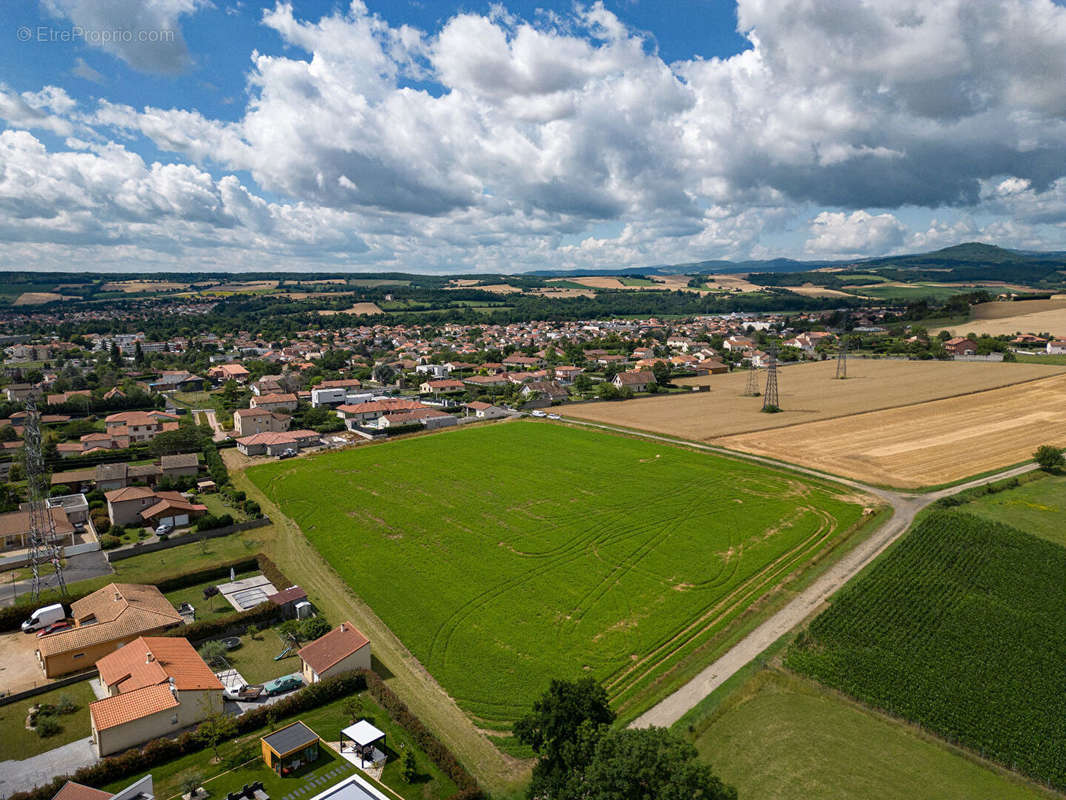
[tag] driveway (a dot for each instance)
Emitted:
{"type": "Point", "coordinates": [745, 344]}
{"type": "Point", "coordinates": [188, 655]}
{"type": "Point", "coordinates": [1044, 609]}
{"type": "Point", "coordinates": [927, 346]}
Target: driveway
{"type": "Point", "coordinates": [21, 776]}
{"type": "Point", "coordinates": [18, 666]}
{"type": "Point", "coordinates": [221, 434]}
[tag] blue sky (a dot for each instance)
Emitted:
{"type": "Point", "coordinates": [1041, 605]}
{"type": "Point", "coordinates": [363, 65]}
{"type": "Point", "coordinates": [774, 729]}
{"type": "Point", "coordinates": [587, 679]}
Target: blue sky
{"type": "Point", "coordinates": [523, 135]}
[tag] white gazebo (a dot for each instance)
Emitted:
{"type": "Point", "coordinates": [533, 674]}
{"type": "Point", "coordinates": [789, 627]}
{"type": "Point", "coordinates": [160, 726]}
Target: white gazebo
{"type": "Point", "coordinates": [360, 740]}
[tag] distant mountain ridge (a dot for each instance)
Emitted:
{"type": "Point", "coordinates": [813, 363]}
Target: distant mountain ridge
{"type": "Point", "coordinates": [968, 254]}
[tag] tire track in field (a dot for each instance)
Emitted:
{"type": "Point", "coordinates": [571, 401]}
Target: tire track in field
{"type": "Point", "coordinates": [727, 604]}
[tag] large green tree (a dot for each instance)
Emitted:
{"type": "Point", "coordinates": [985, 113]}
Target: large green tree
{"type": "Point", "coordinates": [562, 728]}
{"type": "Point", "coordinates": [651, 764]}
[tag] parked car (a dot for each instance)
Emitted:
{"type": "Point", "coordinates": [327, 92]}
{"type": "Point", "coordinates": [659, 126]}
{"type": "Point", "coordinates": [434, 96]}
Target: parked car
{"type": "Point", "coordinates": [539, 414]}
{"type": "Point", "coordinates": [55, 627]}
{"type": "Point", "coordinates": [285, 683]}
{"type": "Point", "coordinates": [164, 529]}
{"type": "Point", "coordinates": [554, 416]}
{"type": "Point", "coordinates": [288, 453]}
{"type": "Point", "coordinates": [43, 617]}
{"type": "Point", "coordinates": [242, 692]}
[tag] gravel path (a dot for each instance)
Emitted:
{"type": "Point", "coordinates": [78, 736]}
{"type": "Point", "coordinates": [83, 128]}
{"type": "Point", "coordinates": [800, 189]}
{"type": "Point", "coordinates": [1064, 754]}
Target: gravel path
{"type": "Point", "coordinates": [904, 507]}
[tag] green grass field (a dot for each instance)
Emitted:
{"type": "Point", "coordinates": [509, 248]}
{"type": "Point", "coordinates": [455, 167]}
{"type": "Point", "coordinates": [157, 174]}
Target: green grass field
{"type": "Point", "coordinates": [916, 291]}
{"type": "Point", "coordinates": [961, 628]}
{"type": "Point", "coordinates": [1037, 507]}
{"type": "Point", "coordinates": [509, 554]}
{"type": "Point", "coordinates": [780, 737]}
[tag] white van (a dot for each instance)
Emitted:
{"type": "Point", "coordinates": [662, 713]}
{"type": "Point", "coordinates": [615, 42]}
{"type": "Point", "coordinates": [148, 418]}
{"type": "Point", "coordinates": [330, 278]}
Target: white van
{"type": "Point", "coordinates": [43, 617]}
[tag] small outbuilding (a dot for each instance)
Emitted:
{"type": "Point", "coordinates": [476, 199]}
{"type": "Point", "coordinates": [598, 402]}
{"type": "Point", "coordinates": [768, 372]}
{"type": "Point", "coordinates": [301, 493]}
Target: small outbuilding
{"type": "Point", "coordinates": [342, 649]}
{"type": "Point", "coordinates": [290, 748]}
{"type": "Point", "coordinates": [361, 740]}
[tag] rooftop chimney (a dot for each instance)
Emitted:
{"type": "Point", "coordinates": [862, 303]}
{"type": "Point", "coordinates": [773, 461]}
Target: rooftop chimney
{"type": "Point", "coordinates": [148, 659]}
{"type": "Point", "coordinates": [118, 595]}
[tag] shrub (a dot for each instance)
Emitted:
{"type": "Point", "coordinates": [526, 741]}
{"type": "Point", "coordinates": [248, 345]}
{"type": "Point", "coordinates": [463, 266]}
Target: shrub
{"type": "Point", "coordinates": [313, 628]}
{"type": "Point", "coordinates": [209, 522]}
{"type": "Point", "coordinates": [109, 542]}
{"type": "Point", "coordinates": [47, 725]}
{"type": "Point", "coordinates": [101, 521]}
{"type": "Point", "coordinates": [252, 509]}
{"type": "Point", "coordinates": [1049, 457]}
{"type": "Point", "coordinates": [66, 705]}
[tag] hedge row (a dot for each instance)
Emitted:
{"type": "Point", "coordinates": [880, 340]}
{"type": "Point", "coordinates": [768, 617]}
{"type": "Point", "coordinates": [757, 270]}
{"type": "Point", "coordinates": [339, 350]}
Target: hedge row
{"type": "Point", "coordinates": [159, 751]}
{"type": "Point", "coordinates": [176, 582]}
{"type": "Point", "coordinates": [430, 744]}
{"type": "Point", "coordinates": [272, 573]}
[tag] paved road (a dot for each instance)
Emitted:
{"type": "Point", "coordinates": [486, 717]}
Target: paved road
{"type": "Point", "coordinates": [78, 568]}
{"type": "Point", "coordinates": [904, 507]}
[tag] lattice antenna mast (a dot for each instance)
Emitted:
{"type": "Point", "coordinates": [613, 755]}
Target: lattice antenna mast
{"type": "Point", "coordinates": [43, 545]}
{"type": "Point", "coordinates": [752, 389]}
{"type": "Point", "coordinates": [842, 358]}
{"type": "Point", "coordinates": [769, 400]}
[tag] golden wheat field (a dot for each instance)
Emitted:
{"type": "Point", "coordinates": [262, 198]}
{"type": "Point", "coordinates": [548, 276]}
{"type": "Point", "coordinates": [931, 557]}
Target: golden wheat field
{"type": "Point", "coordinates": [925, 444]}
{"type": "Point", "coordinates": [808, 393]}
{"type": "Point", "coordinates": [1023, 316]}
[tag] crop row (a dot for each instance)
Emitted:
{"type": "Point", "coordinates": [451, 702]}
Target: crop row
{"type": "Point", "coordinates": [961, 629]}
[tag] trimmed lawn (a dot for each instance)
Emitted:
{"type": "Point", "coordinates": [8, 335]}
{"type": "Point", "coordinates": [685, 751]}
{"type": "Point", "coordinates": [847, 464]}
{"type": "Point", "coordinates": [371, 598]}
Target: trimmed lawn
{"type": "Point", "coordinates": [506, 555]}
{"type": "Point", "coordinates": [780, 737]}
{"type": "Point", "coordinates": [217, 606]}
{"type": "Point", "coordinates": [1037, 507]}
{"type": "Point", "coordinates": [241, 761]}
{"type": "Point", "coordinates": [19, 743]}
{"type": "Point", "coordinates": [150, 567]}
{"type": "Point", "coordinates": [254, 659]}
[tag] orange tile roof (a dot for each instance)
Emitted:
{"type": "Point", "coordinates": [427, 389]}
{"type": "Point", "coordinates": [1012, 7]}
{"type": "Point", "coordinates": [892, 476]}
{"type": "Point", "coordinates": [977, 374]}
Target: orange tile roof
{"type": "Point", "coordinates": [150, 660]}
{"type": "Point", "coordinates": [79, 791]}
{"type": "Point", "coordinates": [338, 644]}
{"type": "Point", "coordinates": [119, 610]}
{"type": "Point", "coordinates": [123, 708]}
{"type": "Point", "coordinates": [128, 493]}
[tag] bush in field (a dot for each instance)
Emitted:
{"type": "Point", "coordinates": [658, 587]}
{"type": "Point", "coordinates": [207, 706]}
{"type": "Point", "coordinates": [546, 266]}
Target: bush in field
{"type": "Point", "coordinates": [1049, 457]}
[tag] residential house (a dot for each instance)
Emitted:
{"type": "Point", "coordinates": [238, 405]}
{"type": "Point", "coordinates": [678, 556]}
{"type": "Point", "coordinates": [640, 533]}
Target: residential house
{"type": "Point", "coordinates": [636, 381]}
{"type": "Point", "coordinates": [64, 397]}
{"type": "Point", "coordinates": [180, 465]}
{"type": "Point", "coordinates": [15, 529]}
{"type": "Point", "coordinates": [139, 505]}
{"type": "Point", "coordinates": [429, 418]}
{"type": "Point", "coordinates": [1056, 347]}
{"type": "Point", "coordinates": [547, 390]}
{"type": "Point", "coordinates": [177, 381]}
{"type": "Point", "coordinates": [19, 392]}
{"type": "Point", "coordinates": [104, 621]}
{"type": "Point", "coordinates": [341, 650]}
{"type": "Point", "coordinates": [362, 413]}
{"type": "Point", "coordinates": [565, 374]}
{"type": "Point", "coordinates": [486, 381]}
{"type": "Point", "coordinates": [156, 686]}
{"type": "Point", "coordinates": [273, 444]}
{"type": "Point", "coordinates": [135, 426]}
{"type": "Point", "coordinates": [523, 362]}
{"type": "Point", "coordinates": [283, 401]}
{"type": "Point", "coordinates": [486, 410]}
{"type": "Point", "coordinates": [961, 346]}
{"type": "Point", "coordinates": [250, 421]}
{"type": "Point", "coordinates": [447, 386]}
{"type": "Point", "coordinates": [141, 789]}
{"type": "Point", "coordinates": [229, 372]}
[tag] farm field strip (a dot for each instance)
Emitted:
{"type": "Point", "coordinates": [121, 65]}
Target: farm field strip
{"type": "Point", "coordinates": [1051, 320]}
{"type": "Point", "coordinates": [780, 736]}
{"type": "Point", "coordinates": [808, 393]}
{"type": "Point", "coordinates": [606, 560]}
{"type": "Point", "coordinates": [960, 629]}
{"type": "Point", "coordinates": [925, 444]}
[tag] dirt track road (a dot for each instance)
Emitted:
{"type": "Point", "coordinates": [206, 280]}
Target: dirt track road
{"type": "Point", "coordinates": [904, 507]}
{"type": "Point", "coordinates": [221, 434]}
